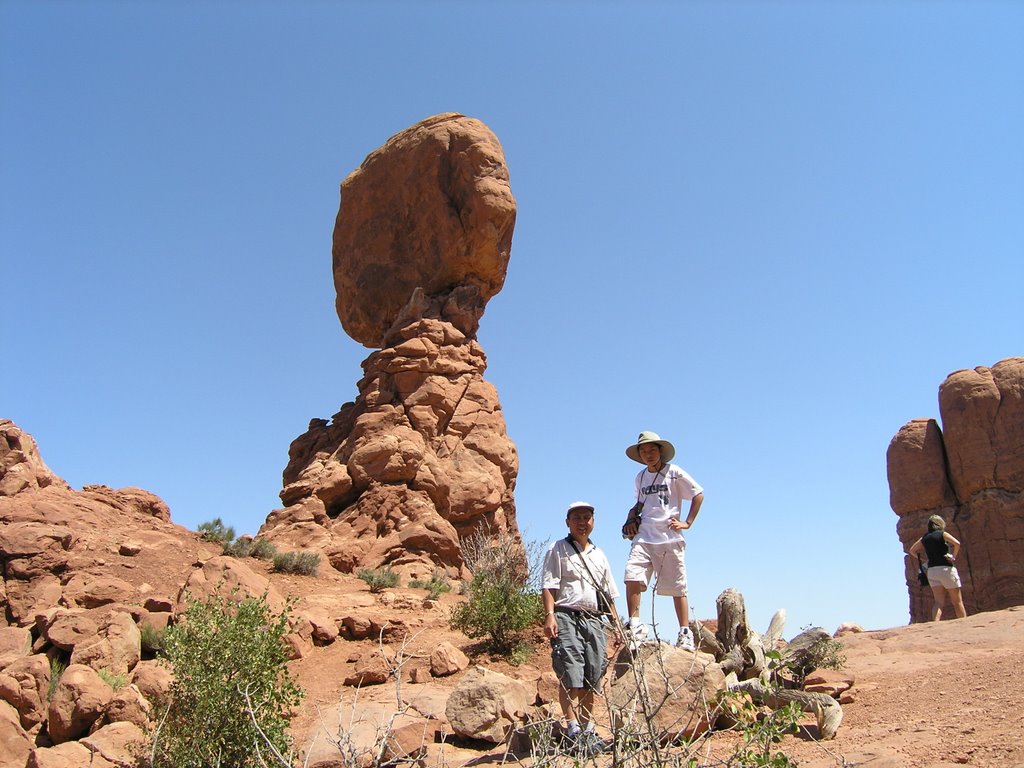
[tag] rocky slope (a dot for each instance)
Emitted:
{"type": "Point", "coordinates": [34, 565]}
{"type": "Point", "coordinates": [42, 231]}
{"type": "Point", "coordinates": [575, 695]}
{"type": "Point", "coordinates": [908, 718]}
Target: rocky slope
{"type": "Point", "coordinates": [84, 569]}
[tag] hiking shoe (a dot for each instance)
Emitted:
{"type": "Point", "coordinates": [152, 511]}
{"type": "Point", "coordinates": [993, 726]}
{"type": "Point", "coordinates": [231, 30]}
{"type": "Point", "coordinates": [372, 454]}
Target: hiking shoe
{"type": "Point", "coordinates": [685, 639]}
{"type": "Point", "coordinates": [590, 744]}
{"type": "Point", "coordinates": [571, 740]}
{"type": "Point", "coordinates": [636, 635]}
{"type": "Point", "coordinates": [586, 744]}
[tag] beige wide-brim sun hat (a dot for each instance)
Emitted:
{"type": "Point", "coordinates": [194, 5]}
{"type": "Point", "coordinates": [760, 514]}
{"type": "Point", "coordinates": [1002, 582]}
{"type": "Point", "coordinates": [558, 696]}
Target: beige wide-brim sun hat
{"type": "Point", "coordinates": [668, 452]}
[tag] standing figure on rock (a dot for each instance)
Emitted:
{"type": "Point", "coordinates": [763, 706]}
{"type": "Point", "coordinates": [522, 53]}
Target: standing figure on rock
{"type": "Point", "coordinates": [655, 527]}
{"type": "Point", "coordinates": [943, 577]}
{"type": "Point", "coordinates": [574, 572]}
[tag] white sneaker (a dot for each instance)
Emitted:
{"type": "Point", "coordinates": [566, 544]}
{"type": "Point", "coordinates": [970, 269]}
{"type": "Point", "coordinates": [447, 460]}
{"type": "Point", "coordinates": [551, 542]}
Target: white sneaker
{"type": "Point", "coordinates": [636, 635]}
{"type": "Point", "coordinates": [685, 639]}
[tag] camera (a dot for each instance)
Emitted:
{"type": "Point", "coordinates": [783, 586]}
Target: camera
{"type": "Point", "coordinates": [632, 518]}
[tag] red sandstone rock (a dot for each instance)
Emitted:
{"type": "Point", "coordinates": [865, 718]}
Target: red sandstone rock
{"type": "Point", "coordinates": [434, 199]}
{"type": "Point", "coordinates": [129, 705]}
{"type": "Point", "coordinates": [153, 679]}
{"type": "Point", "coordinates": [421, 459]}
{"type": "Point", "coordinates": [230, 578]}
{"type": "Point", "coordinates": [116, 647]}
{"type": "Point", "coordinates": [971, 472]}
{"type": "Point", "coordinates": [77, 703]}
{"type": "Point", "coordinates": [21, 467]}
{"type": "Point", "coordinates": [15, 744]}
{"type": "Point", "coordinates": [446, 660]}
{"type": "Point", "coordinates": [119, 743]}
{"type": "Point", "coordinates": [24, 684]}
{"type": "Point", "coordinates": [70, 754]}
{"type": "Point", "coordinates": [15, 643]}
{"type": "Point", "coordinates": [677, 683]}
{"type": "Point", "coordinates": [487, 705]}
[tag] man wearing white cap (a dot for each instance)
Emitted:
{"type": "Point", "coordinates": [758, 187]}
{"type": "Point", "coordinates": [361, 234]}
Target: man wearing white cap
{"type": "Point", "coordinates": [575, 572]}
{"type": "Point", "coordinates": [655, 525]}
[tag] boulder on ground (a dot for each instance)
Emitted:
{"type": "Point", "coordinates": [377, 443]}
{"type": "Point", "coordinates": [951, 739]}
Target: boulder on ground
{"type": "Point", "coordinates": [488, 705]}
{"type": "Point", "coordinates": [78, 702]}
{"type": "Point", "coordinates": [669, 690]}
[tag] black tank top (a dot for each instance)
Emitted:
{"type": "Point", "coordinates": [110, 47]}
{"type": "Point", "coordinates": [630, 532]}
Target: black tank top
{"type": "Point", "coordinates": [936, 547]}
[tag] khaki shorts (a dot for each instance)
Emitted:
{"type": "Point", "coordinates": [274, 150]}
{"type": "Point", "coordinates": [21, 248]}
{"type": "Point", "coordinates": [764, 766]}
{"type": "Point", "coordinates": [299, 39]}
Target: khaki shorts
{"type": "Point", "coordinates": [944, 576]}
{"type": "Point", "coordinates": [664, 561]}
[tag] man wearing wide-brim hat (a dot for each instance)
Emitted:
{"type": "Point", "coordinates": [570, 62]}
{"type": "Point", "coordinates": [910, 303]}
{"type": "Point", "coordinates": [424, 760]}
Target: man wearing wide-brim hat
{"type": "Point", "coordinates": [655, 525]}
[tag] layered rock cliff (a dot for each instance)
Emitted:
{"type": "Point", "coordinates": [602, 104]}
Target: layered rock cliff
{"type": "Point", "coordinates": [971, 472]}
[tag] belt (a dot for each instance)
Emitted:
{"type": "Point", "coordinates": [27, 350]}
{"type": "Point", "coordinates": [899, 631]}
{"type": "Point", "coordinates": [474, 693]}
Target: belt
{"type": "Point", "coordinates": [580, 611]}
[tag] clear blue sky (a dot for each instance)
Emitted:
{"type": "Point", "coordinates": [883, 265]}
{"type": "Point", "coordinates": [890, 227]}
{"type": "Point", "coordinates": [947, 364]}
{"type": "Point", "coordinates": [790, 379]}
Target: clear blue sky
{"type": "Point", "coordinates": [767, 231]}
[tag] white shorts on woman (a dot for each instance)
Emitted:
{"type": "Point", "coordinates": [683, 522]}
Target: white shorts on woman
{"type": "Point", "coordinates": [944, 576]}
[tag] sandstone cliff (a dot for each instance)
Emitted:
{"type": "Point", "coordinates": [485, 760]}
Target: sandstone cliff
{"type": "Point", "coordinates": [970, 471]}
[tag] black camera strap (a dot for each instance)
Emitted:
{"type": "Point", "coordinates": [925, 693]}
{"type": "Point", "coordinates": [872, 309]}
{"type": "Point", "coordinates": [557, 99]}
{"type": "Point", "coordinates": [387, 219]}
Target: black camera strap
{"type": "Point", "coordinates": [593, 580]}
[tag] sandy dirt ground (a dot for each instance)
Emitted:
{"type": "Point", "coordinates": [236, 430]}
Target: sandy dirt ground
{"type": "Point", "coordinates": [925, 696]}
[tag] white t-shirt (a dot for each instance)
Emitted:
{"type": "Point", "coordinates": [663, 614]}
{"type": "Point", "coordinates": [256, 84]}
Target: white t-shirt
{"type": "Point", "coordinates": [564, 572]}
{"type": "Point", "coordinates": [663, 494]}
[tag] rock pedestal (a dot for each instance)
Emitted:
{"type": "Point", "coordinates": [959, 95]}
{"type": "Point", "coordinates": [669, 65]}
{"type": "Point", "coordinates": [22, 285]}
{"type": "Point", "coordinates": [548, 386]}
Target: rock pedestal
{"type": "Point", "coordinates": [421, 459]}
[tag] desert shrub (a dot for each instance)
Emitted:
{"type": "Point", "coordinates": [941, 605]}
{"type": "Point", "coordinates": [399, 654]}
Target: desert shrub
{"type": "Point", "coordinates": [436, 586]}
{"type": "Point", "coordinates": [503, 598]}
{"type": "Point", "coordinates": [152, 639]}
{"type": "Point", "coordinates": [246, 546]}
{"type": "Point", "coordinates": [378, 579]}
{"type": "Point", "coordinates": [112, 679]}
{"type": "Point", "coordinates": [240, 547]}
{"type": "Point", "coordinates": [232, 691]}
{"type": "Point", "coordinates": [824, 652]}
{"type": "Point", "coordinates": [262, 549]}
{"type": "Point", "coordinates": [304, 563]}
{"type": "Point", "coordinates": [827, 653]}
{"type": "Point", "coordinates": [215, 530]}
{"type": "Point", "coordinates": [57, 667]}
{"type": "Point", "coordinates": [761, 733]}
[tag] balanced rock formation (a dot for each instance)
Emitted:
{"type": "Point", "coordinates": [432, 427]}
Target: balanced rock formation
{"type": "Point", "coordinates": [421, 459]}
{"type": "Point", "coordinates": [971, 472]}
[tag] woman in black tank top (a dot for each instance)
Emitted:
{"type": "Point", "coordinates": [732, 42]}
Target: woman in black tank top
{"type": "Point", "coordinates": [942, 550]}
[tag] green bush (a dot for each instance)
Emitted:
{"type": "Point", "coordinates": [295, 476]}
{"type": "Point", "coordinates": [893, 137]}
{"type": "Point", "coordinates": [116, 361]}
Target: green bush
{"type": "Point", "coordinates": [215, 530]}
{"type": "Point", "coordinates": [246, 546]}
{"type": "Point", "coordinates": [304, 563]}
{"type": "Point", "coordinates": [502, 597]}
{"type": "Point", "coordinates": [240, 547]}
{"type": "Point", "coordinates": [263, 550]}
{"type": "Point", "coordinates": [232, 691]}
{"type": "Point", "coordinates": [436, 586]}
{"type": "Point", "coordinates": [57, 667]}
{"type": "Point", "coordinates": [761, 734]}
{"type": "Point", "coordinates": [499, 610]}
{"type": "Point", "coordinates": [152, 639]}
{"type": "Point", "coordinates": [378, 579]}
{"type": "Point", "coordinates": [112, 679]}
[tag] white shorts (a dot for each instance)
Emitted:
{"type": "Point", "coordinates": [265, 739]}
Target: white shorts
{"type": "Point", "coordinates": [944, 576]}
{"type": "Point", "coordinates": [665, 561]}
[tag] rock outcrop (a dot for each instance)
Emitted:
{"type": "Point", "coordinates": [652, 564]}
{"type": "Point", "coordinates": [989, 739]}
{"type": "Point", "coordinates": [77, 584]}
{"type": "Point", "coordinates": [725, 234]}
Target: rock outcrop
{"type": "Point", "coordinates": [21, 466]}
{"type": "Point", "coordinates": [971, 472]}
{"type": "Point", "coordinates": [73, 594]}
{"type": "Point", "coordinates": [421, 459]}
